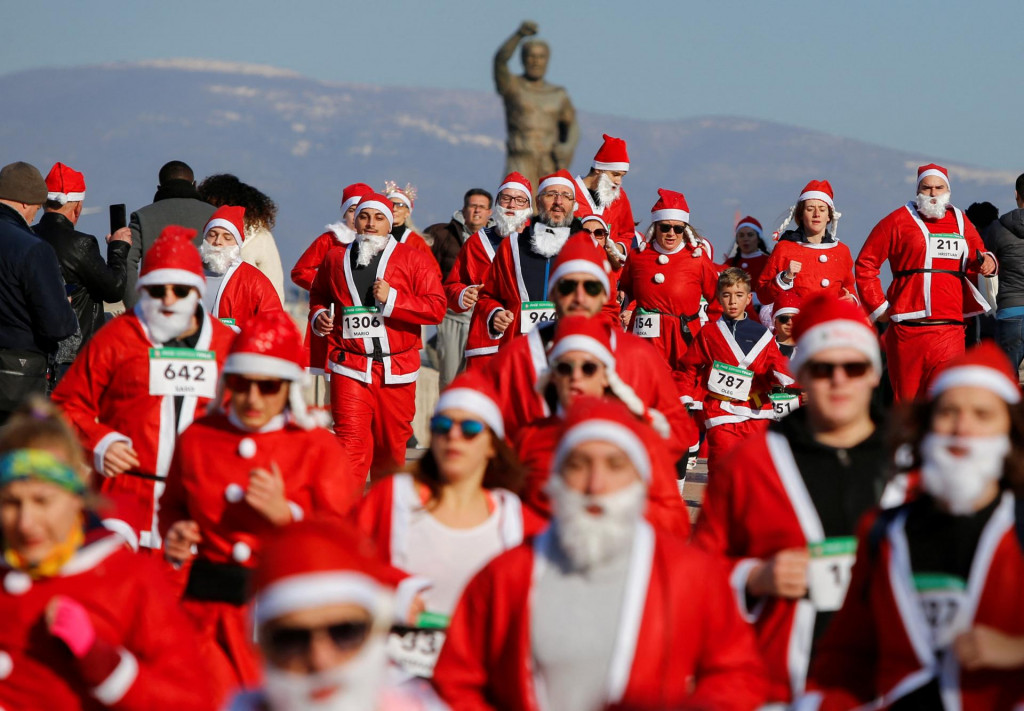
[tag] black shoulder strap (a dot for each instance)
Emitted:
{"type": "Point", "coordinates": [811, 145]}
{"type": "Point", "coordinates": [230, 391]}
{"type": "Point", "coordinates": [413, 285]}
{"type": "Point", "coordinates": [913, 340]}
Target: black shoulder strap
{"type": "Point", "coordinates": [877, 533]}
{"type": "Point", "coordinates": [1018, 511]}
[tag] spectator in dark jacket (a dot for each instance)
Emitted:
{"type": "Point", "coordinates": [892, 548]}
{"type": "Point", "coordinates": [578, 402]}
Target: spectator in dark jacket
{"type": "Point", "coordinates": [89, 279]}
{"type": "Point", "coordinates": [983, 326]}
{"type": "Point", "coordinates": [176, 202]}
{"type": "Point", "coordinates": [1005, 239]}
{"type": "Point", "coordinates": [34, 311]}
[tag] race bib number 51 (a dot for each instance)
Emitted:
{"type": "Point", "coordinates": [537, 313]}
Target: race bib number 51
{"type": "Point", "coordinates": [946, 246]}
{"type": "Point", "coordinates": [828, 574]}
{"type": "Point", "coordinates": [536, 313]}
{"type": "Point", "coordinates": [362, 322]}
{"type": "Point", "coordinates": [729, 381]}
{"type": "Point", "coordinates": [182, 371]}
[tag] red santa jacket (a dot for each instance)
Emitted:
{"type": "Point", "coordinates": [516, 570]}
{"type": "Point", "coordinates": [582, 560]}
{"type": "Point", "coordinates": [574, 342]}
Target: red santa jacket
{"type": "Point", "coordinates": [416, 241]}
{"type": "Point", "coordinates": [752, 264]}
{"type": "Point", "coordinates": [105, 396]}
{"type": "Point", "coordinates": [470, 268]}
{"type": "Point", "coordinates": [243, 293]}
{"type": "Point", "coordinates": [618, 215]}
{"type": "Point", "coordinates": [826, 266]}
{"type": "Point", "coordinates": [715, 342]}
{"type": "Point", "coordinates": [131, 607]}
{"type": "Point", "coordinates": [904, 238]}
{"type": "Point", "coordinates": [416, 299]}
{"type": "Point", "coordinates": [679, 640]}
{"type": "Point", "coordinates": [303, 273]}
{"type": "Point", "coordinates": [878, 648]}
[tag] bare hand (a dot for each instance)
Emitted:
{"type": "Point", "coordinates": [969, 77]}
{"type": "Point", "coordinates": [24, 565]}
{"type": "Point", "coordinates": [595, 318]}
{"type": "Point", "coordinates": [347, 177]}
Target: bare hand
{"type": "Point", "coordinates": [883, 317]}
{"type": "Point", "coordinates": [471, 295]}
{"type": "Point", "coordinates": [625, 316]}
{"type": "Point", "coordinates": [791, 271]}
{"type": "Point", "coordinates": [847, 295]}
{"type": "Point", "coordinates": [502, 320]}
{"type": "Point", "coordinates": [266, 495]}
{"type": "Point", "coordinates": [528, 28]}
{"type": "Point", "coordinates": [179, 541]}
{"type": "Point", "coordinates": [381, 291]}
{"type": "Point", "coordinates": [988, 265]}
{"type": "Point", "coordinates": [783, 575]}
{"type": "Point", "coordinates": [417, 607]}
{"type": "Point", "coordinates": [122, 235]}
{"type": "Point", "coordinates": [985, 648]}
{"type": "Point", "coordinates": [119, 458]}
{"type": "Point", "coordinates": [324, 322]}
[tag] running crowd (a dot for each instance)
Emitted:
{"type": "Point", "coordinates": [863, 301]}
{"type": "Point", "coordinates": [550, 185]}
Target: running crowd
{"type": "Point", "coordinates": [181, 529]}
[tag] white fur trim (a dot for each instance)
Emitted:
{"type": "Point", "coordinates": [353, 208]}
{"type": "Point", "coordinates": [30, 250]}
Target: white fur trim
{"type": "Point", "coordinates": [346, 204]}
{"type": "Point", "coordinates": [839, 333]}
{"type": "Point", "coordinates": [976, 376]}
{"type": "Point", "coordinates": [784, 311]}
{"type": "Point", "coordinates": [100, 450]}
{"type": "Point", "coordinates": [879, 311]}
{"type": "Point", "coordinates": [172, 276]}
{"type": "Point", "coordinates": [226, 224]}
{"type": "Point", "coordinates": [935, 173]}
{"type": "Point", "coordinates": [299, 592]}
{"type": "Point", "coordinates": [583, 266]}
{"type": "Point", "coordinates": [388, 307]}
{"type": "Point", "coordinates": [751, 225]}
{"type": "Point", "coordinates": [738, 582]}
{"type": "Point", "coordinates": [405, 595]}
{"type": "Point", "coordinates": [594, 218]}
{"type": "Point", "coordinates": [65, 198]}
{"type": "Point", "coordinates": [115, 686]}
{"type": "Point", "coordinates": [476, 402]}
{"type": "Point", "coordinates": [515, 186]}
{"type": "Point", "coordinates": [259, 364]}
{"type": "Point", "coordinates": [611, 166]}
{"type": "Point", "coordinates": [604, 431]}
{"type": "Point", "coordinates": [555, 180]}
{"type": "Point", "coordinates": [817, 195]}
{"type": "Point", "coordinates": [124, 530]}
{"type": "Point", "coordinates": [377, 205]}
{"type": "Point", "coordinates": [400, 197]}
{"type": "Point", "coordinates": [579, 342]}
{"type": "Point", "coordinates": [659, 215]}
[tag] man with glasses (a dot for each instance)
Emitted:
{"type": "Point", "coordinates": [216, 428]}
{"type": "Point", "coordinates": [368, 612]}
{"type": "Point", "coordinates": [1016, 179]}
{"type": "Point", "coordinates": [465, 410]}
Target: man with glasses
{"type": "Point", "coordinates": [602, 194]}
{"type": "Point", "coordinates": [145, 376]}
{"type": "Point", "coordinates": [783, 507]}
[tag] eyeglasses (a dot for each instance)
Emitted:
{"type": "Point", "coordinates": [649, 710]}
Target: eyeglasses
{"type": "Point", "coordinates": [241, 384]}
{"type": "Point", "coordinates": [291, 642]}
{"type": "Point", "coordinates": [599, 232]}
{"type": "Point", "coordinates": [569, 197]}
{"type": "Point", "coordinates": [506, 200]}
{"type": "Point", "coordinates": [665, 229]}
{"type": "Point", "coordinates": [784, 318]}
{"type": "Point", "coordinates": [157, 291]}
{"type": "Point", "coordinates": [439, 424]}
{"type": "Point", "coordinates": [568, 286]}
{"type": "Point", "coordinates": [824, 371]}
{"type": "Point", "coordinates": [566, 368]}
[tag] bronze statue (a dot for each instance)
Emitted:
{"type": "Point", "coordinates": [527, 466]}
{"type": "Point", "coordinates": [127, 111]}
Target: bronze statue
{"type": "Point", "coordinates": [541, 121]}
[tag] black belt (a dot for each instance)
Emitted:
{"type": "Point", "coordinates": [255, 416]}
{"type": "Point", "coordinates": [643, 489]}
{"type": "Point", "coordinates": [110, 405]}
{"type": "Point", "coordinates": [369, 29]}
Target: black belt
{"type": "Point", "coordinates": [148, 477]}
{"type": "Point", "coordinates": [218, 582]}
{"type": "Point", "coordinates": [911, 272]}
{"type": "Point", "coordinates": [935, 322]}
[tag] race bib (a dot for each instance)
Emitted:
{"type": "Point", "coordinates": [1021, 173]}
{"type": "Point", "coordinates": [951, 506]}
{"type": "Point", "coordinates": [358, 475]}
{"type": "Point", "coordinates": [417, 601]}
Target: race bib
{"type": "Point", "coordinates": [828, 574]}
{"type": "Point", "coordinates": [182, 371]}
{"type": "Point", "coordinates": [228, 321]}
{"type": "Point", "coordinates": [942, 599]}
{"type": "Point", "coordinates": [646, 325]}
{"type": "Point", "coordinates": [536, 313]}
{"type": "Point", "coordinates": [702, 312]}
{"type": "Point", "coordinates": [729, 381]}
{"type": "Point", "coordinates": [415, 649]}
{"type": "Point", "coordinates": [362, 322]}
{"type": "Point", "coordinates": [946, 246]}
{"type": "Point", "coordinates": [784, 403]}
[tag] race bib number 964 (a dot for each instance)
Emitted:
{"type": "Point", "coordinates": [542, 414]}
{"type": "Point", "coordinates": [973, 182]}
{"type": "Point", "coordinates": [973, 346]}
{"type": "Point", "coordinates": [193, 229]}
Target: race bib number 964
{"type": "Point", "coordinates": [947, 246]}
{"type": "Point", "coordinates": [536, 313]}
{"type": "Point", "coordinates": [182, 371]}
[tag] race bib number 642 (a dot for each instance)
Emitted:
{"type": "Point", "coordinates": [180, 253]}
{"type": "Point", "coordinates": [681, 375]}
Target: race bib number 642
{"type": "Point", "coordinates": [182, 372]}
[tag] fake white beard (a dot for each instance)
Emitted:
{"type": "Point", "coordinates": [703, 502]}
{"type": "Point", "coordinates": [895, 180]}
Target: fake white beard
{"type": "Point", "coordinates": [589, 539]}
{"type": "Point", "coordinates": [358, 683]}
{"type": "Point", "coordinates": [507, 224]}
{"type": "Point", "coordinates": [165, 327]}
{"type": "Point", "coordinates": [217, 260]}
{"type": "Point", "coordinates": [607, 191]}
{"type": "Point", "coordinates": [369, 247]}
{"type": "Point", "coordinates": [958, 481]}
{"type": "Point", "coordinates": [548, 240]}
{"type": "Point", "coordinates": [932, 207]}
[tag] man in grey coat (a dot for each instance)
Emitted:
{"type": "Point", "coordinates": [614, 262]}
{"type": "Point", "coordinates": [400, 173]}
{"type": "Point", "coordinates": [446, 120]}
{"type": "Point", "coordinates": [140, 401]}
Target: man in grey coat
{"type": "Point", "coordinates": [1005, 239]}
{"type": "Point", "coordinates": [176, 203]}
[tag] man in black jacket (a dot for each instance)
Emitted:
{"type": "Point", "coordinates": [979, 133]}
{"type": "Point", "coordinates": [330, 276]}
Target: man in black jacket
{"type": "Point", "coordinates": [34, 311]}
{"type": "Point", "coordinates": [1005, 238]}
{"type": "Point", "coordinates": [89, 279]}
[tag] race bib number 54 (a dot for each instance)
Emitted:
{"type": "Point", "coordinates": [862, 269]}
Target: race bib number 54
{"type": "Point", "coordinates": [182, 371]}
{"type": "Point", "coordinates": [536, 313]}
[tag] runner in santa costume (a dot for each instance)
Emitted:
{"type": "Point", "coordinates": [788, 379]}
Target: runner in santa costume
{"type": "Point", "coordinates": [582, 363]}
{"type": "Point", "coordinates": [235, 290]}
{"type": "Point", "coordinates": [784, 310]}
{"type": "Point", "coordinates": [598, 229]}
{"type": "Point", "coordinates": [402, 201]}
{"type": "Point", "coordinates": [749, 251]}
{"type": "Point", "coordinates": [664, 283]}
{"type": "Point", "coordinates": [932, 617]}
{"type": "Point", "coordinates": [734, 366]}
{"type": "Point", "coordinates": [935, 255]}
{"type": "Point", "coordinates": [87, 623]}
{"type": "Point", "coordinates": [239, 475]}
{"type": "Point", "coordinates": [602, 609]}
{"type": "Point", "coordinates": [145, 376]}
{"type": "Point", "coordinates": [371, 299]}
{"type": "Point", "coordinates": [782, 506]}
{"type": "Point", "coordinates": [809, 259]}
{"type": "Point", "coordinates": [322, 610]}
{"type": "Point", "coordinates": [514, 205]}
{"type": "Point", "coordinates": [600, 193]}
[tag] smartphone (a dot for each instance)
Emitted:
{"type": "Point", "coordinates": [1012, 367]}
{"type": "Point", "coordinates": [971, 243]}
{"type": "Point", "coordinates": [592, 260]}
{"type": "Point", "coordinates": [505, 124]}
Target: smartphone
{"type": "Point", "coordinates": [118, 218]}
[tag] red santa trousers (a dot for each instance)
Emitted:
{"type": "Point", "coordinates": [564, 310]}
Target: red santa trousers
{"type": "Point", "coordinates": [230, 656]}
{"type": "Point", "coordinates": [373, 421]}
{"type": "Point", "coordinates": [914, 353]}
{"type": "Point", "coordinates": [722, 438]}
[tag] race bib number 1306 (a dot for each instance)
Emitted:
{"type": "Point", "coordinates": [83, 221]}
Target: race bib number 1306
{"type": "Point", "coordinates": [182, 371]}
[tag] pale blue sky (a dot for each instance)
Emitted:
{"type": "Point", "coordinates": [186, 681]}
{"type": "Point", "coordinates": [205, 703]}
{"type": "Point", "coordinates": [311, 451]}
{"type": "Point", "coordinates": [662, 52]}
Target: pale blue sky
{"type": "Point", "coordinates": [937, 78]}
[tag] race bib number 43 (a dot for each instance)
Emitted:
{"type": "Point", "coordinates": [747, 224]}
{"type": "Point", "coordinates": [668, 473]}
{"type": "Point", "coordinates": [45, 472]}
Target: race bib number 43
{"type": "Point", "coordinates": [729, 381]}
{"type": "Point", "coordinates": [362, 322]}
{"type": "Point", "coordinates": [536, 313]}
{"type": "Point", "coordinates": [182, 371]}
{"type": "Point", "coordinates": [828, 574]}
{"type": "Point", "coordinates": [946, 246]}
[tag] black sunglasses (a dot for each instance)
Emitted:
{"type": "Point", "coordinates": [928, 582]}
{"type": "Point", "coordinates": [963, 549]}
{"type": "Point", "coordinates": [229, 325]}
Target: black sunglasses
{"type": "Point", "coordinates": [665, 229]}
{"type": "Point", "coordinates": [157, 291]}
{"type": "Point", "coordinates": [241, 384]}
{"type": "Point", "coordinates": [784, 318]}
{"type": "Point", "coordinates": [824, 371]}
{"type": "Point", "coordinates": [599, 232]}
{"type": "Point", "coordinates": [291, 642]}
{"type": "Point", "coordinates": [439, 424]}
{"type": "Point", "coordinates": [588, 368]}
{"type": "Point", "coordinates": [568, 286]}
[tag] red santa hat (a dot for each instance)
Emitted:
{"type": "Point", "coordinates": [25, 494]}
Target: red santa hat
{"type": "Point", "coordinates": [406, 195]}
{"type": "Point", "coordinates": [923, 172]}
{"type": "Point", "coordinates": [579, 254]}
{"type": "Point", "coordinates": [562, 177]}
{"type": "Point", "coordinates": [313, 563]}
{"type": "Point", "coordinates": [751, 223]}
{"type": "Point", "coordinates": [352, 194]}
{"type": "Point", "coordinates": [670, 206]}
{"type": "Point", "coordinates": [585, 214]}
{"type": "Point", "coordinates": [827, 321]}
{"type": "Point", "coordinates": [786, 303]}
{"type": "Point", "coordinates": [612, 155]}
{"type": "Point", "coordinates": [173, 259]}
{"type": "Point", "coordinates": [591, 419]}
{"type": "Point", "coordinates": [818, 190]}
{"type": "Point", "coordinates": [516, 181]}
{"type": "Point", "coordinates": [376, 201]}
{"type": "Point", "coordinates": [230, 218]}
{"type": "Point", "coordinates": [983, 366]}
{"type": "Point", "coordinates": [64, 184]}
{"type": "Point", "coordinates": [474, 393]}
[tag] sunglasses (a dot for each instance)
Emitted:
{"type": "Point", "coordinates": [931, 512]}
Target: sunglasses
{"type": "Point", "coordinates": [568, 286]}
{"type": "Point", "coordinates": [157, 291]}
{"type": "Point", "coordinates": [439, 424]}
{"type": "Point", "coordinates": [241, 384]}
{"type": "Point", "coordinates": [599, 232]}
{"type": "Point", "coordinates": [665, 229]}
{"type": "Point", "coordinates": [824, 371]}
{"type": "Point", "coordinates": [784, 318]}
{"type": "Point", "coordinates": [291, 642]}
{"type": "Point", "coordinates": [587, 367]}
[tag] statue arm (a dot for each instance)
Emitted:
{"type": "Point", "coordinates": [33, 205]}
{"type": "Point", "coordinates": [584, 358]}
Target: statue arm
{"type": "Point", "coordinates": [502, 76]}
{"type": "Point", "coordinates": [568, 135]}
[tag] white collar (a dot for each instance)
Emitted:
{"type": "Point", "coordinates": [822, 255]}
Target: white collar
{"type": "Point", "coordinates": [277, 422]}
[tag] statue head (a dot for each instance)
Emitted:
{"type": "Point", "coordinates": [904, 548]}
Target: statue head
{"type": "Point", "coordinates": [535, 55]}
